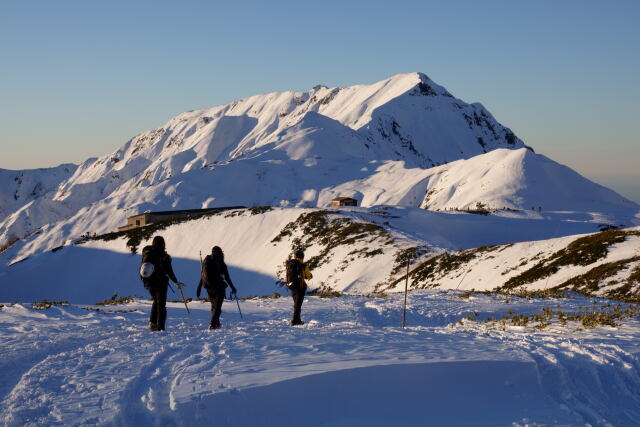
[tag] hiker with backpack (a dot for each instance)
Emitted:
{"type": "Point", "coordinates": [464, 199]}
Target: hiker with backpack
{"type": "Point", "coordinates": [155, 272]}
{"type": "Point", "coordinates": [297, 275]}
{"type": "Point", "coordinates": [214, 277]}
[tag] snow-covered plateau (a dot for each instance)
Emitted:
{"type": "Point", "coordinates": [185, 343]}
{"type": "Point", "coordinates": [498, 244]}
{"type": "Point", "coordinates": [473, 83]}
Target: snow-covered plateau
{"type": "Point", "coordinates": [351, 364]}
{"type": "Point", "coordinates": [523, 276]}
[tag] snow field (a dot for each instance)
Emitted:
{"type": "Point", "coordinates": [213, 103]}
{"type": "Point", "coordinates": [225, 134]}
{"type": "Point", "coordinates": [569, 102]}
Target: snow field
{"type": "Point", "coordinates": [350, 364]}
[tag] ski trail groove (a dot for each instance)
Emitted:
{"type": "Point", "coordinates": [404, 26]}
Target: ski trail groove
{"type": "Point", "coordinates": [580, 377]}
{"type": "Point", "coordinates": [140, 402]}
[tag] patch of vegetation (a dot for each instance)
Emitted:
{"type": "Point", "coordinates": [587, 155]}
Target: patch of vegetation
{"type": "Point", "coordinates": [466, 294]}
{"type": "Point", "coordinates": [100, 310]}
{"type": "Point", "coordinates": [377, 295]}
{"type": "Point", "coordinates": [274, 295]}
{"type": "Point", "coordinates": [257, 210]}
{"type": "Point", "coordinates": [583, 251]}
{"type": "Point", "coordinates": [325, 293]}
{"type": "Point", "coordinates": [45, 304]}
{"type": "Point", "coordinates": [426, 273]}
{"type": "Point", "coordinates": [605, 315]}
{"type": "Point", "coordinates": [116, 301]}
{"type": "Point", "coordinates": [480, 209]}
{"type": "Point", "coordinates": [540, 293]}
{"type": "Point", "coordinates": [411, 253]}
{"type": "Point", "coordinates": [317, 217]}
{"type": "Point", "coordinates": [591, 281]}
{"type": "Point", "coordinates": [329, 231]}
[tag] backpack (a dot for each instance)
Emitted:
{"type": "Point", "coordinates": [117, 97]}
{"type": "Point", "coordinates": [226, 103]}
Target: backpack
{"type": "Point", "coordinates": [212, 274]}
{"type": "Point", "coordinates": [294, 272]}
{"type": "Point", "coordinates": [150, 267]}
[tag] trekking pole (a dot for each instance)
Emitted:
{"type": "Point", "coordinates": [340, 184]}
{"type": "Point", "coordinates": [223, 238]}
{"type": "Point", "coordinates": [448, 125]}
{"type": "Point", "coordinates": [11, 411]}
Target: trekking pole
{"type": "Point", "coordinates": [170, 287]}
{"type": "Point", "coordinates": [238, 303]}
{"type": "Point", "coordinates": [201, 271]}
{"type": "Point", "coordinates": [184, 300]}
{"type": "Point", "coordinates": [406, 285]}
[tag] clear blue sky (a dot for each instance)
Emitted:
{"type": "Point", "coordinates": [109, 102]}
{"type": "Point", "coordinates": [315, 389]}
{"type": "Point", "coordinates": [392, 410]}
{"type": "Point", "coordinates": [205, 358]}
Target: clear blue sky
{"type": "Point", "coordinates": [79, 78]}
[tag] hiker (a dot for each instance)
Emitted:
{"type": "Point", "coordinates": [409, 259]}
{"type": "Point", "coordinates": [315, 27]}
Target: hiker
{"type": "Point", "coordinates": [297, 275]}
{"type": "Point", "coordinates": [155, 272]}
{"type": "Point", "coordinates": [214, 277]}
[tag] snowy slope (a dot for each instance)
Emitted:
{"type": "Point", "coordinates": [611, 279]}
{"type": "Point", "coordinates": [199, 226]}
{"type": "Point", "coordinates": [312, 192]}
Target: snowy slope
{"type": "Point", "coordinates": [605, 264]}
{"type": "Point", "coordinates": [19, 188]}
{"type": "Point", "coordinates": [356, 250]}
{"type": "Point", "coordinates": [508, 182]}
{"type": "Point", "coordinates": [350, 365]}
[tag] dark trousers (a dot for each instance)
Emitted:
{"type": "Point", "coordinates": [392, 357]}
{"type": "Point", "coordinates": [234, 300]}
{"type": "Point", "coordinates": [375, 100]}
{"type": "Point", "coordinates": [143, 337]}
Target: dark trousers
{"type": "Point", "coordinates": [159, 307]}
{"type": "Point", "coordinates": [297, 293]}
{"type": "Point", "coordinates": [217, 298]}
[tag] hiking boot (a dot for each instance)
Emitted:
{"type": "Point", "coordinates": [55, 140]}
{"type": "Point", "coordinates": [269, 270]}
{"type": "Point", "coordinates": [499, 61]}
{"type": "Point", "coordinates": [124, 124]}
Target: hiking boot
{"type": "Point", "coordinates": [297, 322]}
{"type": "Point", "coordinates": [153, 326]}
{"type": "Point", "coordinates": [215, 326]}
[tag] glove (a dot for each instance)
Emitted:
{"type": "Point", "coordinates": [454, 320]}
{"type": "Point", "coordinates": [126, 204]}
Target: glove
{"type": "Point", "coordinates": [180, 284]}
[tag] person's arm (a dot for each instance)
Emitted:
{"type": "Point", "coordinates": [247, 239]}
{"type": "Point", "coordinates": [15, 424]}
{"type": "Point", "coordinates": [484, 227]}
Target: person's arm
{"type": "Point", "coordinates": [227, 278]}
{"type": "Point", "coordinates": [307, 273]}
{"type": "Point", "coordinates": [168, 269]}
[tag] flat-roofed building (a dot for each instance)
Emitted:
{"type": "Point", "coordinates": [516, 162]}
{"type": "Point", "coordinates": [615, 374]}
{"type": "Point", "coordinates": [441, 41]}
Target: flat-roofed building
{"type": "Point", "coordinates": [344, 201]}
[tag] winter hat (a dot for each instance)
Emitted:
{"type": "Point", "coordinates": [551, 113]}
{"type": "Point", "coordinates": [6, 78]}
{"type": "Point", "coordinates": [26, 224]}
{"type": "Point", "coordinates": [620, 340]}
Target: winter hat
{"type": "Point", "coordinates": [158, 243]}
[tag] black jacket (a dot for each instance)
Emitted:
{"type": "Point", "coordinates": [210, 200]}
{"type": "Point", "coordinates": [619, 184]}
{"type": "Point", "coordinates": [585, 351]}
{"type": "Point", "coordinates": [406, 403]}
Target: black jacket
{"type": "Point", "coordinates": [163, 271]}
{"type": "Point", "coordinates": [214, 274]}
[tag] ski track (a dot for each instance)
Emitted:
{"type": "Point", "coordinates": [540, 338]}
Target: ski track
{"type": "Point", "coordinates": [586, 387]}
{"type": "Point", "coordinates": [70, 367]}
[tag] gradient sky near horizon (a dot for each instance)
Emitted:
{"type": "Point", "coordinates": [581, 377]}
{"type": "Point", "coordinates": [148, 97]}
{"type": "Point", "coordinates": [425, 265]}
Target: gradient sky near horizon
{"type": "Point", "coordinates": [80, 78]}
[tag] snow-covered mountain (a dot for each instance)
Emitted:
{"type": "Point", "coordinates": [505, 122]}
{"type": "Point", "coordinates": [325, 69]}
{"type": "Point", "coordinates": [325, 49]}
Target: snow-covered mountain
{"type": "Point", "coordinates": [21, 187]}
{"type": "Point", "coordinates": [277, 148]}
{"type": "Point", "coordinates": [403, 141]}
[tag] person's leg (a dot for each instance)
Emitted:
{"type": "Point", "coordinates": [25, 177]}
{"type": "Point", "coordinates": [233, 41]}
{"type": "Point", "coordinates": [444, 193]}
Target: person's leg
{"type": "Point", "coordinates": [298, 298]}
{"type": "Point", "coordinates": [216, 306]}
{"type": "Point", "coordinates": [162, 305]}
{"type": "Point", "coordinates": [153, 316]}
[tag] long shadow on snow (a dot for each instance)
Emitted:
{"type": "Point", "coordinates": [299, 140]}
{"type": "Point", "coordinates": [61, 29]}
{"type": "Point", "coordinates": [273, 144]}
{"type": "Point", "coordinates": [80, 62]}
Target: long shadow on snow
{"type": "Point", "coordinates": [87, 275]}
{"type": "Point", "coordinates": [492, 393]}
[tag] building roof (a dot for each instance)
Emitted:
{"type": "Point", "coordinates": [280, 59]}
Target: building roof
{"type": "Point", "coordinates": [188, 211]}
{"type": "Point", "coordinates": [342, 198]}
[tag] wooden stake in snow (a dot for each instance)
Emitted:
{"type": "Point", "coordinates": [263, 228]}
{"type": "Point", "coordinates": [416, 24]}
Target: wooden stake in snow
{"type": "Point", "coordinates": [406, 285]}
